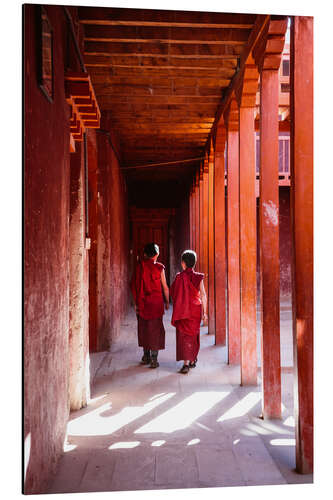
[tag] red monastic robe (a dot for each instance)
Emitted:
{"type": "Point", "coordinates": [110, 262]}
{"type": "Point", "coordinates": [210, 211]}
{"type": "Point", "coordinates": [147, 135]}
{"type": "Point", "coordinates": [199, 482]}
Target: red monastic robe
{"type": "Point", "coordinates": [187, 312]}
{"type": "Point", "coordinates": [147, 292]}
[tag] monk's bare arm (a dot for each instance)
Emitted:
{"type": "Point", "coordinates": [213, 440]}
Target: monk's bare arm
{"type": "Point", "coordinates": [165, 289]}
{"type": "Point", "coordinates": [203, 299]}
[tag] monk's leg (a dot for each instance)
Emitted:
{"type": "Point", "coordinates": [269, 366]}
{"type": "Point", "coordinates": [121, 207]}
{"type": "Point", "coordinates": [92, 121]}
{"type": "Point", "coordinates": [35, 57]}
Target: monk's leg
{"type": "Point", "coordinates": [154, 363]}
{"type": "Point", "coordinates": [146, 357]}
{"type": "Point", "coordinates": [195, 352]}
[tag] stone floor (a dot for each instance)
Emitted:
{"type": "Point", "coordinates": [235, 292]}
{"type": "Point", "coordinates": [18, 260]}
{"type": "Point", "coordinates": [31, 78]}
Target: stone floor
{"type": "Point", "coordinates": [150, 429]}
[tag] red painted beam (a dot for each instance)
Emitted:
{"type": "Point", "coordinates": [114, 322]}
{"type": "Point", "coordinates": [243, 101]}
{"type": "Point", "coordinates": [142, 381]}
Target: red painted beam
{"type": "Point", "coordinates": [301, 139]}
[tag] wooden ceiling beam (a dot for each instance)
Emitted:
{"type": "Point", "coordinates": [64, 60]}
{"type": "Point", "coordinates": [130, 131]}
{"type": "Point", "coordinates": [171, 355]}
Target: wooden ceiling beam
{"type": "Point", "coordinates": [161, 49]}
{"type": "Point", "coordinates": [178, 145]}
{"type": "Point", "coordinates": [165, 100]}
{"type": "Point", "coordinates": [145, 118]}
{"type": "Point", "coordinates": [218, 36]}
{"type": "Point", "coordinates": [197, 40]}
{"type": "Point", "coordinates": [127, 92]}
{"type": "Point", "coordinates": [159, 153]}
{"type": "Point", "coordinates": [122, 16]}
{"type": "Point", "coordinates": [138, 125]}
{"type": "Point", "coordinates": [105, 77]}
{"type": "Point", "coordinates": [156, 71]}
{"type": "Point", "coordinates": [168, 62]}
{"type": "Point", "coordinates": [170, 123]}
{"type": "Point", "coordinates": [159, 106]}
{"type": "Point", "coordinates": [163, 125]}
{"type": "Point", "coordinates": [167, 134]}
{"type": "Point", "coordinates": [163, 24]}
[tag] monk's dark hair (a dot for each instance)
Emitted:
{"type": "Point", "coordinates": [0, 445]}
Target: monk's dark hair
{"type": "Point", "coordinates": [151, 249]}
{"type": "Point", "coordinates": [189, 257]}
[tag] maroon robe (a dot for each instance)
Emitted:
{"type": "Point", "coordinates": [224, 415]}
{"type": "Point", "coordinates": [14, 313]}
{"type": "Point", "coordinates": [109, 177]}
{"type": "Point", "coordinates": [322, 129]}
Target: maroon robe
{"type": "Point", "coordinates": [147, 293]}
{"type": "Point", "coordinates": [187, 312]}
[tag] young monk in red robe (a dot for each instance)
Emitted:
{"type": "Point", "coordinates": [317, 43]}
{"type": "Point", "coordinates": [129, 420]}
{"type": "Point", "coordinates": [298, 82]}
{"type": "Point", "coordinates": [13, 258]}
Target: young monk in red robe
{"type": "Point", "coordinates": [148, 286]}
{"type": "Point", "coordinates": [189, 307]}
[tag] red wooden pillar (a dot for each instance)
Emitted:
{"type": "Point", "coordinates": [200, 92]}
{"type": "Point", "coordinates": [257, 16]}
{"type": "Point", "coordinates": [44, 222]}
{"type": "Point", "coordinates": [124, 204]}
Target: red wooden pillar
{"type": "Point", "coordinates": [190, 199]}
{"type": "Point", "coordinates": [248, 225]}
{"type": "Point", "coordinates": [200, 249]}
{"type": "Point", "coordinates": [211, 244]}
{"type": "Point", "coordinates": [269, 63]}
{"type": "Point", "coordinates": [197, 212]}
{"type": "Point", "coordinates": [194, 213]}
{"type": "Point", "coordinates": [233, 234]}
{"type": "Point", "coordinates": [301, 139]}
{"type": "Point", "coordinates": [205, 225]}
{"type": "Point", "coordinates": [220, 253]}
{"type": "Point", "coordinates": [93, 233]}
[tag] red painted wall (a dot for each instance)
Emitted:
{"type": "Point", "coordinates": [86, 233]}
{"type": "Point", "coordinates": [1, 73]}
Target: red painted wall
{"type": "Point", "coordinates": [46, 260]}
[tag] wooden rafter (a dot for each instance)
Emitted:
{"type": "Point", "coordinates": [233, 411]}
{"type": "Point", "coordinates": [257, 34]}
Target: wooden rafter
{"type": "Point", "coordinates": [137, 17]}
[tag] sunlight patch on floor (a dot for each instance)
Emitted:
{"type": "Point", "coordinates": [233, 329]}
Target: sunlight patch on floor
{"type": "Point", "coordinates": [27, 448]}
{"type": "Point", "coordinates": [184, 413]}
{"type": "Point", "coordinates": [193, 441]}
{"type": "Point", "coordinates": [258, 429]}
{"type": "Point", "coordinates": [69, 447]}
{"type": "Point", "coordinates": [124, 445]}
{"type": "Point", "coordinates": [96, 423]}
{"type": "Point", "coordinates": [160, 442]}
{"type": "Point", "coordinates": [283, 442]}
{"type": "Point", "coordinates": [289, 422]}
{"type": "Point", "coordinates": [242, 407]}
{"type": "Point", "coordinates": [274, 428]}
{"type": "Point", "coordinates": [92, 401]}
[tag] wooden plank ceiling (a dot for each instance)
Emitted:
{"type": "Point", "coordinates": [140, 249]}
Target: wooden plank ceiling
{"type": "Point", "coordinates": [161, 75]}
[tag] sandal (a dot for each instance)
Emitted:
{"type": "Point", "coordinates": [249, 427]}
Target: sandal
{"type": "Point", "coordinates": [145, 360]}
{"type": "Point", "coordinates": [193, 364]}
{"type": "Point", "coordinates": [185, 369]}
{"type": "Point", "coordinates": [154, 363]}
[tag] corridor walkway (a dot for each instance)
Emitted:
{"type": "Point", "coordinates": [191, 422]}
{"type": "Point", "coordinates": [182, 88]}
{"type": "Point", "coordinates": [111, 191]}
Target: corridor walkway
{"type": "Point", "coordinates": [157, 429]}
